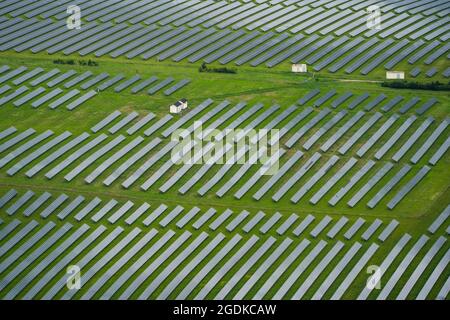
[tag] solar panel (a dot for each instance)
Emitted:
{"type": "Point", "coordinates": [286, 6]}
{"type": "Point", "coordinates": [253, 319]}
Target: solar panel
{"type": "Point", "coordinates": [88, 208]}
{"type": "Point", "coordinates": [341, 131]}
{"type": "Point", "coordinates": [429, 284]}
{"type": "Point", "coordinates": [70, 207]}
{"type": "Point", "coordinates": [61, 78]}
{"type": "Point", "coordinates": [409, 105]}
{"type": "Point", "coordinates": [296, 177]}
{"type": "Point", "coordinates": [339, 53]}
{"type": "Point", "coordinates": [403, 54]}
{"type": "Point", "coordinates": [377, 135]}
{"type": "Point", "coordinates": [27, 76]}
{"type": "Point", "coordinates": [5, 133]}
{"type": "Point", "coordinates": [440, 152]}
{"type": "Point", "coordinates": [12, 95]}
{"type": "Point", "coordinates": [277, 176]}
{"type": "Point", "coordinates": [375, 102]}
{"type": "Point", "coordinates": [205, 217]}
{"type": "Point", "coordinates": [303, 225]}
{"type": "Point", "coordinates": [110, 82]}
{"type": "Point", "coordinates": [324, 129]}
{"type": "Point", "coordinates": [25, 281]}
{"type": "Point", "coordinates": [133, 159]}
{"type": "Point", "coordinates": [154, 215]}
{"type": "Point", "coordinates": [146, 165]}
{"type": "Point", "coordinates": [308, 126]}
{"type": "Point", "coordinates": [313, 180]}
{"type": "Point", "coordinates": [122, 123]}
{"type": "Point", "coordinates": [37, 153]}
{"type": "Point", "coordinates": [333, 180]}
{"type": "Point", "coordinates": [441, 218]}
{"type": "Point", "coordinates": [354, 272]}
{"type": "Point", "coordinates": [119, 213]}
{"type": "Point", "coordinates": [331, 278]}
{"type": "Point", "coordinates": [171, 215]}
{"type": "Point", "coordinates": [46, 97]}
{"type": "Point", "coordinates": [320, 226]}
{"type": "Point", "coordinates": [223, 117]}
{"type": "Point", "coordinates": [93, 253]}
{"type": "Point", "coordinates": [100, 263]}
{"type": "Point", "coordinates": [7, 197]}
{"type": "Point", "coordinates": [231, 262]}
{"type": "Point", "coordinates": [137, 213]}
{"type": "Point", "coordinates": [10, 227]}
{"type": "Point", "coordinates": [429, 142]}
{"type": "Point", "coordinates": [55, 155]}
{"type": "Point", "coordinates": [54, 205]}
{"type": "Point", "coordinates": [93, 81]}
{"type": "Point", "coordinates": [308, 96]}
{"type": "Point", "coordinates": [388, 187]}
{"type": "Point", "coordinates": [388, 106]}
{"type": "Point", "coordinates": [111, 117]}
{"type": "Point", "coordinates": [389, 285]}
{"type": "Point", "coordinates": [37, 203]}
{"type": "Point", "coordinates": [269, 224]}
{"type": "Point", "coordinates": [157, 125]}
{"type": "Point", "coordinates": [415, 72]}
{"type": "Point", "coordinates": [127, 83]}
{"type": "Point", "coordinates": [104, 210]}
{"type": "Point", "coordinates": [163, 257]}
{"type": "Point", "coordinates": [46, 278]}
{"type": "Point", "coordinates": [356, 52]}
{"type": "Point", "coordinates": [33, 256]}
{"type": "Point", "coordinates": [176, 87]}
{"type": "Point", "coordinates": [418, 271]}
{"type": "Point", "coordinates": [388, 230]}
{"type": "Point", "coordinates": [129, 255]}
{"type": "Point", "coordinates": [246, 48]}
{"type": "Point", "coordinates": [93, 157]}
{"type": "Point", "coordinates": [210, 265]}
{"type": "Point", "coordinates": [412, 139]}
{"type": "Point", "coordinates": [23, 148]}
{"type": "Point", "coordinates": [325, 98]}
{"type": "Point", "coordinates": [354, 228]}
{"type": "Point", "coordinates": [78, 79]}
{"type": "Point", "coordinates": [4, 88]}
{"type": "Point", "coordinates": [298, 271]}
{"type": "Point", "coordinates": [341, 99]}
{"type": "Point", "coordinates": [12, 74]}
{"type": "Point", "coordinates": [426, 106]}
{"type": "Point", "coordinates": [29, 96]}
{"type": "Point", "coordinates": [422, 52]}
{"type": "Point", "coordinates": [371, 229]}
{"type": "Point", "coordinates": [395, 137]}
{"type": "Point", "coordinates": [63, 99]}
{"type": "Point", "coordinates": [253, 222]}
{"type": "Point", "coordinates": [8, 245]}
{"type": "Point", "coordinates": [359, 133]}
{"type": "Point", "coordinates": [260, 49]}
{"type": "Point", "coordinates": [287, 224]}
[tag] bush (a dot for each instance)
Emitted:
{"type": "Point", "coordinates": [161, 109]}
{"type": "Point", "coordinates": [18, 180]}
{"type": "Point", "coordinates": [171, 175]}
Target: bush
{"type": "Point", "coordinates": [205, 68]}
{"type": "Point", "coordinates": [435, 85]}
{"type": "Point", "coordinates": [89, 63]}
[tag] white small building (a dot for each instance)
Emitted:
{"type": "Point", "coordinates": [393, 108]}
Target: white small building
{"type": "Point", "coordinates": [178, 106]}
{"type": "Point", "coordinates": [299, 68]}
{"type": "Point", "coordinates": [395, 75]}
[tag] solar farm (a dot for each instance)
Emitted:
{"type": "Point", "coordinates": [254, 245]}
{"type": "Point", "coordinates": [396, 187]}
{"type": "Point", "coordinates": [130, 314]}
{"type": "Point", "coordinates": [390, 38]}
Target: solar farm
{"type": "Point", "coordinates": [355, 190]}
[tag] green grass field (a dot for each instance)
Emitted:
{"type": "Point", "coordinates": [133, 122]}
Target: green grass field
{"type": "Point", "coordinates": [252, 85]}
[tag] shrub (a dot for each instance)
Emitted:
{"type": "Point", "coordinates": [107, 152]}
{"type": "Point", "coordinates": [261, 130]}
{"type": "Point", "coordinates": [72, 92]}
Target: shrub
{"type": "Point", "coordinates": [435, 85]}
